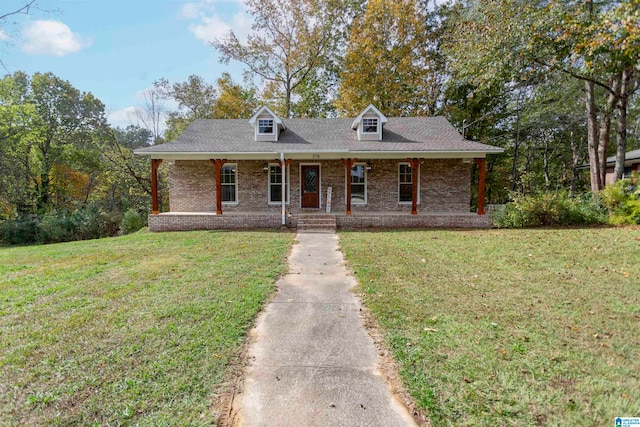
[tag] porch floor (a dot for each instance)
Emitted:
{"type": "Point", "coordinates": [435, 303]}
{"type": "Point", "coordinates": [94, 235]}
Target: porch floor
{"type": "Point", "coordinates": [178, 221]}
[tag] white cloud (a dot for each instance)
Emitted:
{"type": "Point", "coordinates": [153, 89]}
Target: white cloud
{"type": "Point", "coordinates": [3, 36]}
{"type": "Point", "coordinates": [51, 38]}
{"type": "Point", "coordinates": [210, 25]}
{"type": "Point", "coordinates": [123, 117]}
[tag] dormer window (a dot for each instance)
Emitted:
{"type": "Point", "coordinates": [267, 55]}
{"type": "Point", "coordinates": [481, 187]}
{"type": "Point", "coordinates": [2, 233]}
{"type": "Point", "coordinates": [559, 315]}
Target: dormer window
{"type": "Point", "coordinates": [265, 126]}
{"type": "Point", "coordinates": [370, 125]}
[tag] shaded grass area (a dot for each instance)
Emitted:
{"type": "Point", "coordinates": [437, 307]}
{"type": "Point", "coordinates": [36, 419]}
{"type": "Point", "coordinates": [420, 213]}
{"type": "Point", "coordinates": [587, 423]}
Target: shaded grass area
{"type": "Point", "coordinates": [509, 327]}
{"type": "Point", "coordinates": [128, 330]}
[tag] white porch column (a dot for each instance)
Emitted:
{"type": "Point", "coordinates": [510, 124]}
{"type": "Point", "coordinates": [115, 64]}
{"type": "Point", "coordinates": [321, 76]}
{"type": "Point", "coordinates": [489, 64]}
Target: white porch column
{"type": "Point", "coordinates": [283, 168]}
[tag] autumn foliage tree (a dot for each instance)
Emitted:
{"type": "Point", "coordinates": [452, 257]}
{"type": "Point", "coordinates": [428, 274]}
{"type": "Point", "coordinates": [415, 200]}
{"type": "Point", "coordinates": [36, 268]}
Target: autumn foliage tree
{"type": "Point", "coordinates": [388, 62]}
{"type": "Point", "coordinates": [291, 39]}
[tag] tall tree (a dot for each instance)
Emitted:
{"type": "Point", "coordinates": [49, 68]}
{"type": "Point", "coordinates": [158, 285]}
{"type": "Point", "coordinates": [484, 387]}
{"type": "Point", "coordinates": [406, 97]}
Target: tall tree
{"type": "Point", "coordinates": [195, 99]}
{"type": "Point", "coordinates": [388, 62]}
{"type": "Point", "coordinates": [126, 178]}
{"type": "Point", "coordinates": [57, 134]}
{"type": "Point", "coordinates": [152, 114]}
{"type": "Point", "coordinates": [506, 41]}
{"type": "Point", "coordinates": [234, 100]}
{"type": "Point", "coordinates": [290, 40]}
{"type": "Point", "coordinates": [16, 117]}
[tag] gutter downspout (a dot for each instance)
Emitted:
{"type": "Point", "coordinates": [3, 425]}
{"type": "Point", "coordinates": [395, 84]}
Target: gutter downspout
{"type": "Point", "coordinates": [283, 168]}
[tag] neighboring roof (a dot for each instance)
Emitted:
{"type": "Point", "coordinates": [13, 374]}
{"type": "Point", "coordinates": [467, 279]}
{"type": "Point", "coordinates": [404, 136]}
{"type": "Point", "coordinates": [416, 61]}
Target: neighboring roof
{"type": "Point", "coordinates": [628, 156]}
{"type": "Point", "coordinates": [401, 134]}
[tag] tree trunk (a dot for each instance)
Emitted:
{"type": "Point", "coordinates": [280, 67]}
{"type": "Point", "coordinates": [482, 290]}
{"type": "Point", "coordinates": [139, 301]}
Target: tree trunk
{"type": "Point", "coordinates": [621, 130]}
{"type": "Point", "coordinates": [575, 160]}
{"type": "Point", "coordinates": [605, 129]}
{"type": "Point", "coordinates": [592, 136]}
{"type": "Point", "coordinates": [514, 168]}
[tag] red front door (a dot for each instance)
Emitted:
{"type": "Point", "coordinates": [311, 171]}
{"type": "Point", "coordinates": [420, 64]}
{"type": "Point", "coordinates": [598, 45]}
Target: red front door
{"type": "Point", "coordinates": [310, 176]}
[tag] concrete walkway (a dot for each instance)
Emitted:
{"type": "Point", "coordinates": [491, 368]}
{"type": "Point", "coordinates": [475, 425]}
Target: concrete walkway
{"type": "Point", "coordinates": [312, 362]}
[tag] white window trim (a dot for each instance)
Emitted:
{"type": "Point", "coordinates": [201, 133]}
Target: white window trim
{"type": "Point", "coordinates": [366, 185]}
{"type": "Point", "coordinates": [377, 125]}
{"type": "Point", "coordinates": [235, 165]}
{"type": "Point", "coordinates": [288, 185]}
{"type": "Point", "coordinates": [273, 124]}
{"type": "Point", "coordinates": [398, 178]}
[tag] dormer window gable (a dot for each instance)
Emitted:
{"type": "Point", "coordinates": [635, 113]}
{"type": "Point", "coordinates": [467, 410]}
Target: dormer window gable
{"type": "Point", "coordinates": [369, 124]}
{"type": "Point", "coordinates": [267, 126]}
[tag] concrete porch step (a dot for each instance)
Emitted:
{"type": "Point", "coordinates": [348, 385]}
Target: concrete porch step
{"type": "Point", "coordinates": [317, 223]}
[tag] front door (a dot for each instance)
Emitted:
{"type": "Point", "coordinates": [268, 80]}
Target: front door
{"type": "Point", "coordinates": [310, 186]}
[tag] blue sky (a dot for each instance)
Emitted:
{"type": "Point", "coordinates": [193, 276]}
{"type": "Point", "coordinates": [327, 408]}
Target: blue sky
{"type": "Point", "coordinates": [117, 48]}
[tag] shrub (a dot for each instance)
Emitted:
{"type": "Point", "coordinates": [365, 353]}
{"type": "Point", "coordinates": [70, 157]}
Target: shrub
{"type": "Point", "coordinates": [53, 228]}
{"type": "Point", "coordinates": [550, 209]}
{"type": "Point", "coordinates": [91, 222]}
{"type": "Point", "coordinates": [622, 199]}
{"type": "Point", "coordinates": [20, 230]}
{"type": "Point", "coordinates": [131, 222]}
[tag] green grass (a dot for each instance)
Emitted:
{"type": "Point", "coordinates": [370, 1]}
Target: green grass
{"type": "Point", "coordinates": [509, 327]}
{"type": "Point", "coordinates": [132, 330]}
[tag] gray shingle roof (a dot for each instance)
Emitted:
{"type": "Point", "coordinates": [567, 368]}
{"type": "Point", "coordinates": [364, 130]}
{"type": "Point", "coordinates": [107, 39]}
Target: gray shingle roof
{"type": "Point", "coordinates": [411, 134]}
{"type": "Point", "coordinates": [629, 155]}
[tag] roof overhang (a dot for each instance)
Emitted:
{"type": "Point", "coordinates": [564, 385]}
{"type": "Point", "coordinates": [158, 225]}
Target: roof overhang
{"type": "Point", "coordinates": [319, 155]}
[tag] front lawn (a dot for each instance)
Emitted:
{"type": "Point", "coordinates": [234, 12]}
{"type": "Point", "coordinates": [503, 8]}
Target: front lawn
{"type": "Point", "coordinates": [509, 327]}
{"type": "Point", "coordinates": [131, 330]}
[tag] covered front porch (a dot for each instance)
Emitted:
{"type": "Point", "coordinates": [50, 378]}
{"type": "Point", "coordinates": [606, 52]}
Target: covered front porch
{"type": "Point", "coordinates": [367, 193]}
{"type": "Point", "coordinates": [181, 221]}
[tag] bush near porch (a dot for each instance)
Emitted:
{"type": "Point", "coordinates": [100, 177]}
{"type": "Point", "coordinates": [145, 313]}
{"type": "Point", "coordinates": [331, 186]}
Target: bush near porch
{"type": "Point", "coordinates": [138, 329]}
{"type": "Point", "coordinates": [508, 327]}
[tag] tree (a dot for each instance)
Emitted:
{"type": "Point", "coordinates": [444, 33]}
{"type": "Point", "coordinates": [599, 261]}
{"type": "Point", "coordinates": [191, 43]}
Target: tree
{"type": "Point", "coordinates": [24, 8]}
{"type": "Point", "coordinates": [126, 178]}
{"type": "Point", "coordinates": [234, 101]}
{"type": "Point", "coordinates": [55, 134]}
{"type": "Point", "coordinates": [290, 40]}
{"type": "Point", "coordinates": [16, 116]}
{"type": "Point", "coordinates": [152, 113]}
{"type": "Point", "coordinates": [499, 42]}
{"type": "Point", "coordinates": [195, 99]}
{"type": "Point", "coordinates": [388, 62]}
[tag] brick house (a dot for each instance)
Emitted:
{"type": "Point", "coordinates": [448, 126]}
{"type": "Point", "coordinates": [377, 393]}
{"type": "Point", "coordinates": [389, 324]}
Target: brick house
{"type": "Point", "coordinates": [631, 164]}
{"type": "Point", "coordinates": [370, 171]}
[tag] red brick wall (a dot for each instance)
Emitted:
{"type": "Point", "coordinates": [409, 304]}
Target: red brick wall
{"type": "Point", "coordinates": [444, 186]}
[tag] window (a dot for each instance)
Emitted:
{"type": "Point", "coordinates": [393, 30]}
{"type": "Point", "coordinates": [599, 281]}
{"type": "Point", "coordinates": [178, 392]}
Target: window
{"type": "Point", "coordinates": [265, 126]}
{"type": "Point", "coordinates": [405, 183]}
{"type": "Point", "coordinates": [370, 125]}
{"type": "Point", "coordinates": [229, 181]}
{"type": "Point", "coordinates": [275, 185]}
{"type": "Point", "coordinates": [627, 172]}
{"type": "Point", "coordinates": [359, 184]}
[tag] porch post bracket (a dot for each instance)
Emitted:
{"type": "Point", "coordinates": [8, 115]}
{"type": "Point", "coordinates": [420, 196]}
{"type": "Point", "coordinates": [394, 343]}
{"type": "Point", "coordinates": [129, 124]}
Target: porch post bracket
{"type": "Point", "coordinates": [287, 162]}
{"type": "Point", "coordinates": [154, 186]}
{"type": "Point", "coordinates": [348, 164]}
{"type": "Point", "coordinates": [218, 163]}
{"type": "Point", "coordinates": [482, 172]}
{"type": "Point", "coordinates": [415, 169]}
